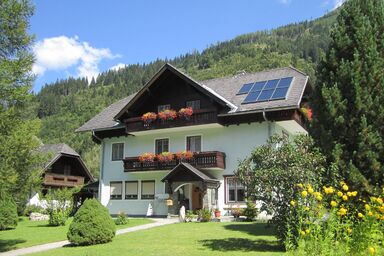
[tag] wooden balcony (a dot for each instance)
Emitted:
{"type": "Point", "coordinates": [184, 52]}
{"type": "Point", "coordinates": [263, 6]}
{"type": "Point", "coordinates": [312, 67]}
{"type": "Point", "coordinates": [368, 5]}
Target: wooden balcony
{"type": "Point", "coordinates": [60, 180]}
{"type": "Point", "coordinates": [208, 159]}
{"type": "Point", "coordinates": [200, 116]}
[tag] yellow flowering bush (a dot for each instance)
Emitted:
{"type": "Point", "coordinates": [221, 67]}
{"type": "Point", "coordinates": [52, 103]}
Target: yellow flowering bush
{"type": "Point", "coordinates": [340, 223]}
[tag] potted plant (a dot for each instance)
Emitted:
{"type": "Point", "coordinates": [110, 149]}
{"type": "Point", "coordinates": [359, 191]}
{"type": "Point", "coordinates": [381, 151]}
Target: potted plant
{"type": "Point", "coordinates": [184, 155]}
{"type": "Point", "coordinates": [217, 213]}
{"type": "Point", "coordinates": [307, 112]}
{"type": "Point", "coordinates": [167, 115]}
{"type": "Point", "coordinates": [236, 212]}
{"type": "Point", "coordinates": [147, 157]}
{"type": "Point", "coordinates": [148, 118]}
{"type": "Point", "coordinates": [185, 113]}
{"type": "Point", "coordinates": [165, 157]}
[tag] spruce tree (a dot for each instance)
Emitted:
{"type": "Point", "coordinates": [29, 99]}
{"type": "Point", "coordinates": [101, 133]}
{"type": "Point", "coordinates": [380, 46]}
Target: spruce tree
{"type": "Point", "coordinates": [19, 160]}
{"type": "Point", "coordinates": [348, 99]}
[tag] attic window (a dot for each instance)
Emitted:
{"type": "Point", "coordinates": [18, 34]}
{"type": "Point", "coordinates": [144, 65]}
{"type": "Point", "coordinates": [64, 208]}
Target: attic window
{"type": "Point", "coordinates": [163, 107]}
{"type": "Point", "coordinates": [194, 104]}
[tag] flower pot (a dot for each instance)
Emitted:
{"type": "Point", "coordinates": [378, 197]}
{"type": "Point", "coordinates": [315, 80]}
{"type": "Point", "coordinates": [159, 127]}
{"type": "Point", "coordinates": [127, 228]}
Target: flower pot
{"type": "Point", "coordinates": [217, 214]}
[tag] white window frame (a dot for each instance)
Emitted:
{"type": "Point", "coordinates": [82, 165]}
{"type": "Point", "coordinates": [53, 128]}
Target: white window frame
{"type": "Point", "coordinates": [165, 138]}
{"type": "Point", "coordinates": [227, 191]}
{"type": "Point", "coordinates": [110, 190]}
{"type": "Point", "coordinates": [112, 159]}
{"type": "Point", "coordinates": [192, 135]}
{"type": "Point", "coordinates": [125, 189]}
{"type": "Point", "coordinates": [141, 189]}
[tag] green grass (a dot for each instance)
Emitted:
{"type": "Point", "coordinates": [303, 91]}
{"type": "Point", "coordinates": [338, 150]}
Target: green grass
{"type": "Point", "coordinates": [29, 233]}
{"type": "Point", "coordinates": [186, 239]}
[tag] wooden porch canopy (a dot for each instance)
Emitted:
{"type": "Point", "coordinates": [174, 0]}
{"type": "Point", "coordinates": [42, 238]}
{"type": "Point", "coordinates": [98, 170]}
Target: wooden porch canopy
{"type": "Point", "coordinates": [185, 172]}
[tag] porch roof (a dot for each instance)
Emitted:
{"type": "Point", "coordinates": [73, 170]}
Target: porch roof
{"type": "Point", "coordinates": [186, 172]}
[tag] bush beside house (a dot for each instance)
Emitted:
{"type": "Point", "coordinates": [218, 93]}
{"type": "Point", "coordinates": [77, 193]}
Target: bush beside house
{"type": "Point", "coordinates": [92, 224]}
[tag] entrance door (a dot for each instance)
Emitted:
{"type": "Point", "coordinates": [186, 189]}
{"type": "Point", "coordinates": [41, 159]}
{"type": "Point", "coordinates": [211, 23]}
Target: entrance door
{"type": "Point", "coordinates": [196, 198]}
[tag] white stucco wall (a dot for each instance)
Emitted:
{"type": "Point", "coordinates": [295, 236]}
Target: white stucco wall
{"type": "Point", "coordinates": [236, 141]}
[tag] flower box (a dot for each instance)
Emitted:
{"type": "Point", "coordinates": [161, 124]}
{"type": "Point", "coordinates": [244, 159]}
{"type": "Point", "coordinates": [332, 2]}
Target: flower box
{"type": "Point", "coordinates": [167, 115]}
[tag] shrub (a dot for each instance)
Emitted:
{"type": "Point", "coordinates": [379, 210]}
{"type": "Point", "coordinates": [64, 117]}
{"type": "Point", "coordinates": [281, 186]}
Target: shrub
{"type": "Point", "coordinates": [8, 213]}
{"type": "Point", "coordinates": [204, 215]}
{"type": "Point", "coordinates": [334, 222]}
{"type": "Point", "coordinates": [59, 205]}
{"type": "Point", "coordinates": [58, 218]}
{"type": "Point", "coordinates": [92, 224]}
{"type": "Point", "coordinates": [189, 216]}
{"type": "Point", "coordinates": [251, 211]}
{"type": "Point", "coordinates": [271, 172]}
{"type": "Point", "coordinates": [121, 219]}
{"type": "Point", "coordinates": [33, 208]}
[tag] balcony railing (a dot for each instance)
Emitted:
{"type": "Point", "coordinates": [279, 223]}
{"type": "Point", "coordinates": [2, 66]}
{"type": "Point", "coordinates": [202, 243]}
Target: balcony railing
{"type": "Point", "coordinates": [199, 116]}
{"type": "Point", "coordinates": [54, 179]}
{"type": "Point", "coordinates": [208, 159]}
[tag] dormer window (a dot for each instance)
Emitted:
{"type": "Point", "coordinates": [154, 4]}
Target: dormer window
{"type": "Point", "coordinates": [194, 104]}
{"type": "Point", "coordinates": [163, 107]}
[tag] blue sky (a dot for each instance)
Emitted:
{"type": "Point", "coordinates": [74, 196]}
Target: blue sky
{"type": "Point", "coordinates": [82, 38]}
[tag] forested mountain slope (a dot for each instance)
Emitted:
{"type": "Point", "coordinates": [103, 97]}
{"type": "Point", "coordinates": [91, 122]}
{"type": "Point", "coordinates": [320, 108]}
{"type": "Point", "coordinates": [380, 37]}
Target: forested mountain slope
{"type": "Point", "coordinates": [66, 104]}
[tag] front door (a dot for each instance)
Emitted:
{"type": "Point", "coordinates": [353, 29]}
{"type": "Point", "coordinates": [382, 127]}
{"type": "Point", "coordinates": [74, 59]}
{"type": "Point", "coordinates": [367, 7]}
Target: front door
{"type": "Point", "coordinates": [197, 201]}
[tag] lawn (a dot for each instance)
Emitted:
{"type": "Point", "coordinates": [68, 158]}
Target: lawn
{"type": "Point", "coordinates": [28, 233]}
{"type": "Point", "coordinates": [187, 239]}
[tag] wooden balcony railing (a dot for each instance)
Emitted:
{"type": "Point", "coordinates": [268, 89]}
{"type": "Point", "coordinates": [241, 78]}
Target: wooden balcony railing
{"type": "Point", "coordinates": [54, 179]}
{"type": "Point", "coordinates": [199, 116]}
{"type": "Point", "coordinates": [208, 159]}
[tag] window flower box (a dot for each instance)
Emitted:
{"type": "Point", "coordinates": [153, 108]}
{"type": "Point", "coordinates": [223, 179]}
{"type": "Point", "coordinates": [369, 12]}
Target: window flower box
{"type": "Point", "coordinates": [147, 157]}
{"type": "Point", "coordinates": [185, 113]}
{"type": "Point", "coordinates": [167, 115]}
{"type": "Point", "coordinates": [148, 118]}
{"type": "Point", "coordinates": [184, 155]}
{"type": "Point", "coordinates": [165, 157]}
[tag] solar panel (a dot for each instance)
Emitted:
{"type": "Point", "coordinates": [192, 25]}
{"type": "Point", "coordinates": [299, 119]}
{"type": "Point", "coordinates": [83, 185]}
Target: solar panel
{"type": "Point", "coordinates": [245, 89]}
{"type": "Point", "coordinates": [274, 89]}
{"type": "Point", "coordinates": [251, 97]}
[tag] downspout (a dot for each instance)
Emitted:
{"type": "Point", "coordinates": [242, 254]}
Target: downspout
{"type": "Point", "coordinates": [101, 163]}
{"type": "Point", "coordinates": [269, 124]}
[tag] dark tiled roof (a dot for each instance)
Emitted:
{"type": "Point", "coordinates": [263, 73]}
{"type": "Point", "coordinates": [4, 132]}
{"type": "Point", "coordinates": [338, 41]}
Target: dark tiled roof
{"type": "Point", "coordinates": [105, 118]}
{"type": "Point", "coordinates": [226, 88]}
{"type": "Point", "coordinates": [58, 149]}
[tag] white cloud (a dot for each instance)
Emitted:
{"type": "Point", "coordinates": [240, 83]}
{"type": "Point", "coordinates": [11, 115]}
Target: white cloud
{"type": "Point", "coordinates": [61, 53]}
{"type": "Point", "coordinates": [118, 66]}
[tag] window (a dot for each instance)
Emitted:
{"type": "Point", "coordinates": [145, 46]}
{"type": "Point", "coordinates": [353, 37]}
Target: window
{"type": "Point", "coordinates": [147, 189]}
{"type": "Point", "coordinates": [161, 145]}
{"type": "Point", "coordinates": [116, 190]}
{"type": "Point", "coordinates": [131, 189]}
{"type": "Point", "coordinates": [235, 190]}
{"type": "Point", "coordinates": [117, 151]}
{"type": "Point", "coordinates": [67, 169]}
{"type": "Point", "coordinates": [194, 104]}
{"type": "Point", "coordinates": [194, 143]}
{"type": "Point", "coordinates": [163, 107]}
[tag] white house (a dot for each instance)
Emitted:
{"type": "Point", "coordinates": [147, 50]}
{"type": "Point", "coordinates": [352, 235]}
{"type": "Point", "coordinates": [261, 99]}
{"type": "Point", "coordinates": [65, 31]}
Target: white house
{"type": "Point", "coordinates": [231, 116]}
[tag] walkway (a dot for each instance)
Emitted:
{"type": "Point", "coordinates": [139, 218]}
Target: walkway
{"type": "Point", "coordinates": [55, 245]}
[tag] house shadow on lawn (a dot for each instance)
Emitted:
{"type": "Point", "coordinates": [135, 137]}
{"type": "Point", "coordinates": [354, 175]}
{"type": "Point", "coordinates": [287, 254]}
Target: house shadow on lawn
{"type": "Point", "coordinates": [6, 245]}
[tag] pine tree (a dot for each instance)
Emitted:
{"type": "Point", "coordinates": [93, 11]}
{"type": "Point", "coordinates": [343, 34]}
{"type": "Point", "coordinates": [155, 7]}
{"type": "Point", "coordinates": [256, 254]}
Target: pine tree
{"type": "Point", "coordinates": [349, 96]}
{"type": "Point", "coordinates": [19, 160]}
